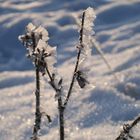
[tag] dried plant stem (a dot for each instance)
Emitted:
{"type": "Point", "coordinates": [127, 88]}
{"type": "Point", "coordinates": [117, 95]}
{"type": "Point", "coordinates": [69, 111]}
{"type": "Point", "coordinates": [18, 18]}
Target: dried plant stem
{"type": "Point", "coordinates": [73, 79]}
{"type": "Point", "coordinates": [37, 95]}
{"type": "Point", "coordinates": [37, 113]}
{"type": "Point", "coordinates": [77, 61]}
{"type": "Point", "coordinates": [137, 120]}
{"type": "Point", "coordinates": [61, 119]}
{"type": "Point", "coordinates": [127, 128]}
{"type": "Point", "coordinates": [60, 106]}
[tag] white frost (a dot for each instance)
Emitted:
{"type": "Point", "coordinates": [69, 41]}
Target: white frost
{"type": "Point", "coordinates": [89, 21]}
{"type": "Point", "coordinates": [43, 32]}
{"type": "Point", "coordinates": [43, 52]}
{"type": "Point", "coordinates": [30, 27]}
{"type": "Point", "coordinates": [87, 36]}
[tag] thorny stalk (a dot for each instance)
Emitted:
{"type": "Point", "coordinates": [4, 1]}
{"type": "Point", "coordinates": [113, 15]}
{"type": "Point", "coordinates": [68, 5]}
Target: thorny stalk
{"type": "Point", "coordinates": [77, 61]}
{"type": "Point", "coordinates": [124, 135]}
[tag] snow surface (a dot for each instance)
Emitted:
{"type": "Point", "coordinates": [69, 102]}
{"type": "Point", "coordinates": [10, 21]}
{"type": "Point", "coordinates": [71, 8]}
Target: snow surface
{"type": "Point", "coordinates": [95, 113]}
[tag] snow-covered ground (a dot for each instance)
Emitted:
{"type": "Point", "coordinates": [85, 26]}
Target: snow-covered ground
{"type": "Point", "coordinates": [95, 113]}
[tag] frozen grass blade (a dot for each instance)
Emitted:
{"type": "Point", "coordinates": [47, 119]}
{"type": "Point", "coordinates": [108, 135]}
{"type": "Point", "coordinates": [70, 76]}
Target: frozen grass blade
{"type": "Point", "coordinates": [96, 46]}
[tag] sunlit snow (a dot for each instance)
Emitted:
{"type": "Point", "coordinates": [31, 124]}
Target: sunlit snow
{"type": "Point", "coordinates": [96, 112]}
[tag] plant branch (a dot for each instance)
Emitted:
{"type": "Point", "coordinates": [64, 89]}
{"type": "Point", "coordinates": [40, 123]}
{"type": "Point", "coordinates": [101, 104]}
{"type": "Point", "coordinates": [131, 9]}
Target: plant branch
{"type": "Point", "coordinates": [61, 118]}
{"type": "Point", "coordinates": [37, 113]}
{"type": "Point", "coordinates": [60, 105]}
{"type": "Point", "coordinates": [37, 94]}
{"type": "Point", "coordinates": [49, 74]}
{"type": "Point", "coordinates": [127, 128]}
{"type": "Point", "coordinates": [77, 61]}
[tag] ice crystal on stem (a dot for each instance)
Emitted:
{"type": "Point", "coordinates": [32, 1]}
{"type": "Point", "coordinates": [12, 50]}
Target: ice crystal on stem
{"type": "Point", "coordinates": [46, 56]}
{"type": "Point", "coordinates": [84, 50]}
{"type": "Point", "coordinates": [88, 24]}
{"type": "Point", "coordinates": [85, 42]}
{"type": "Point", "coordinates": [39, 51]}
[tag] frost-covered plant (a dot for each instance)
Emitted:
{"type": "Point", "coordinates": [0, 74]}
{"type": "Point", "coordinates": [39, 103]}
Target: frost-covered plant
{"type": "Point", "coordinates": [35, 40]}
{"type": "Point", "coordinates": [39, 51]}
{"type": "Point", "coordinates": [43, 57]}
{"type": "Point", "coordinates": [126, 133]}
{"type": "Point", "coordinates": [84, 50]}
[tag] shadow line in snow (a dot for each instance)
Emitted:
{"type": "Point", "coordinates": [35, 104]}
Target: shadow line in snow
{"type": "Point", "coordinates": [110, 107]}
{"type": "Point", "coordinates": [15, 81]}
